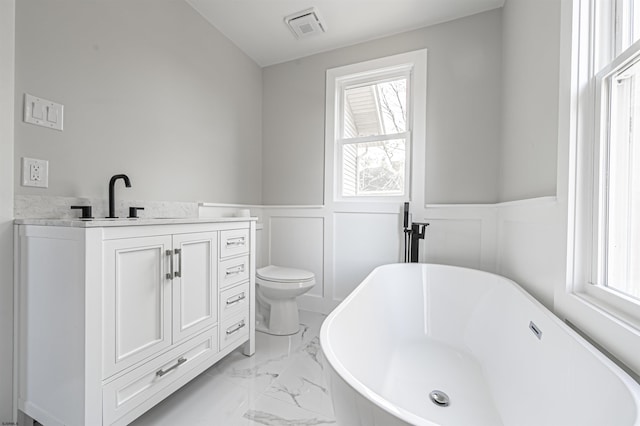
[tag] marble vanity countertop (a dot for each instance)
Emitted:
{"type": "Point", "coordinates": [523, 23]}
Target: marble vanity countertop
{"type": "Point", "coordinates": [103, 222]}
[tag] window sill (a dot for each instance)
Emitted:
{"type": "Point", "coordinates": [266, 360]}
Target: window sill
{"type": "Point", "coordinates": [622, 308]}
{"type": "Point", "coordinates": [606, 325]}
{"type": "Point", "coordinates": [597, 318]}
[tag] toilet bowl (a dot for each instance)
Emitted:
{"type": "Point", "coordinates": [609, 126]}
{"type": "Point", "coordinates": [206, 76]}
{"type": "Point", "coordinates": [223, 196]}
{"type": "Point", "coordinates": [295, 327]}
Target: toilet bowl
{"type": "Point", "coordinates": [276, 306]}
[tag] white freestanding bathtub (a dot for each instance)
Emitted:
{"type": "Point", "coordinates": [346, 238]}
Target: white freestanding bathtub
{"type": "Point", "coordinates": [499, 356]}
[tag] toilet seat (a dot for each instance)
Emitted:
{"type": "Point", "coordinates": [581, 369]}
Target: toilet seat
{"type": "Point", "coordinates": [278, 274]}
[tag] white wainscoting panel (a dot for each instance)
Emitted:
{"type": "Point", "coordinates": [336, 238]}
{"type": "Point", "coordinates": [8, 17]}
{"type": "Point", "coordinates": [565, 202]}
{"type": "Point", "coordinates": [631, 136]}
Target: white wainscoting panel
{"type": "Point", "coordinates": [460, 235]}
{"type": "Point", "coordinates": [531, 246]}
{"type": "Point", "coordinates": [298, 242]}
{"type": "Point", "coordinates": [361, 242]}
{"type": "Point", "coordinates": [342, 243]}
{"type": "Point", "coordinates": [453, 242]}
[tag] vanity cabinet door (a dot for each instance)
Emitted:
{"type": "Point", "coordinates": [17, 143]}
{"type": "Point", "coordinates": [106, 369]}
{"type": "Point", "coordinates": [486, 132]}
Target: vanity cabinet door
{"type": "Point", "coordinates": [137, 300]}
{"type": "Point", "coordinates": [195, 290]}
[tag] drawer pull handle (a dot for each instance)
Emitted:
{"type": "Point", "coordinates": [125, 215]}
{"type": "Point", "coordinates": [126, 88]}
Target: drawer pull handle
{"type": "Point", "coordinates": [181, 361]}
{"type": "Point", "coordinates": [236, 241]}
{"type": "Point", "coordinates": [239, 298]}
{"type": "Point", "coordinates": [235, 328]}
{"type": "Point", "coordinates": [235, 270]}
{"type": "Point", "coordinates": [178, 273]}
{"type": "Point", "coordinates": [169, 275]}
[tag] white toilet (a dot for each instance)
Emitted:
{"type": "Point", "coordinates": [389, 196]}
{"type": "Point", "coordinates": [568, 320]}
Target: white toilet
{"type": "Point", "coordinates": [276, 306]}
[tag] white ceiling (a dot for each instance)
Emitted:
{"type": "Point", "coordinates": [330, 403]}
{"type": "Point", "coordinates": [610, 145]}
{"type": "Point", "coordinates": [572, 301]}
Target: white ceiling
{"type": "Point", "coordinates": [257, 26]}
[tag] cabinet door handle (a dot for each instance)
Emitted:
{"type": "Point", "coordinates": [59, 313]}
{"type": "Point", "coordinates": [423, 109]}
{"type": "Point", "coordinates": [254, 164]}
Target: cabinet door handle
{"type": "Point", "coordinates": [238, 298]}
{"type": "Point", "coordinates": [178, 273]}
{"type": "Point", "coordinates": [235, 241]}
{"type": "Point", "coordinates": [170, 273]}
{"type": "Point", "coordinates": [235, 270]}
{"type": "Point", "coordinates": [181, 361]}
{"type": "Point", "coordinates": [235, 328]}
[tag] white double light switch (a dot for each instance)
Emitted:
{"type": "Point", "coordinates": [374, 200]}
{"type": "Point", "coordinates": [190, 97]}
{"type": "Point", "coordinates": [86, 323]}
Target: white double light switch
{"type": "Point", "coordinates": [43, 112]}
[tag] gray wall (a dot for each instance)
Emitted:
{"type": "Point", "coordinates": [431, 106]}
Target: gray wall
{"type": "Point", "coordinates": [463, 113]}
{"type": "Point", "coordinates": [150, 89]}
{"type": "Point", "coordinates": [7, 9]}
{"type": "Point", "coordinates": [531, 52]}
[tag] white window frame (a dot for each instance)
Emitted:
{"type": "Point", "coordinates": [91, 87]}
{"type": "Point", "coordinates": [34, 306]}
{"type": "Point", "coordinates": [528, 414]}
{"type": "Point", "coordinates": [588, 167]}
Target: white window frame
{"type": "Point", "coordinates": [609, 317]}
{"type": "Point", "coordinates": [596, 288]}
{"type": "Point", "coordinates": [414, 66]}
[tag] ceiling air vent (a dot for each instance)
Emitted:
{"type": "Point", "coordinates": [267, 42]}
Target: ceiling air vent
{"type": "Point", "coordinates": [306, 23]}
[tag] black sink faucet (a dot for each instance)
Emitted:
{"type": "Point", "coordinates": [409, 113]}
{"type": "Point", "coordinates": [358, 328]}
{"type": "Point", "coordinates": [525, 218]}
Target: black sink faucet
{"type": "Point", "coordinates": [112, 183]}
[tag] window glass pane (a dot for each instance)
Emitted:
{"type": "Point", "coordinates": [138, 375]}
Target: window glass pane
{"type": "Point", "coordinates": [374, 168]}
{"type": "Point", "coordinates": [635, 21]}
{"type": "Point", "coordinates": [623, 193]}
{"type": "Point", "coordinates": [375, 109]}
{"type": "Point", "coordinates": [627, 24]}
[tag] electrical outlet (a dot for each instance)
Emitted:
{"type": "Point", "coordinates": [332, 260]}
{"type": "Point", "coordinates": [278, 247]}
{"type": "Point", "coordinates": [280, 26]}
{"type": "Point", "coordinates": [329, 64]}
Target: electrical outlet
{"type": "Point", "coordinates": [35, 172]}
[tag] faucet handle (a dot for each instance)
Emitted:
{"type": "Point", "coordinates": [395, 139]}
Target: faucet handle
{"type": "Point", "coordinates": [86, 211]}
{"type": "Point", "coordinates": [133, 212]}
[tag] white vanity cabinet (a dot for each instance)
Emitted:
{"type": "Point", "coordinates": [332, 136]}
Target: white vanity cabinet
{"type": "Point", "coordinates": [115, 316]}
{"type": "Point", "coordinates": [157, 292]}
{"type": "Point", "coordinates": [137, 300]}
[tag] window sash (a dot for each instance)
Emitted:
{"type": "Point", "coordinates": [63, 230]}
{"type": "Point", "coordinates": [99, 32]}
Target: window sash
{"type": "Point", "coordinates": [354, 195]}
{"type": "Point", "coordinates": [368, 79]}
{"type": "Point", "coordinates": [365, 139]}
{"type": "Point", "coordinates": [361, 80]}
{"type": "Point", "coordinates": [385, 77]}
{"type": "Point", "coordinates": [604, 128]}
{"type": "Point", "coordinates": [354, 183]}
{"type": "Point", "coordinates": [626, 24]}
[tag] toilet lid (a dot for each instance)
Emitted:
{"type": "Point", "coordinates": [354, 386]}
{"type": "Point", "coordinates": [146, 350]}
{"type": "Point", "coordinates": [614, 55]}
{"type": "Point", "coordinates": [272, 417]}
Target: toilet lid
{"type": "Point", "coordinates": [278, 273]}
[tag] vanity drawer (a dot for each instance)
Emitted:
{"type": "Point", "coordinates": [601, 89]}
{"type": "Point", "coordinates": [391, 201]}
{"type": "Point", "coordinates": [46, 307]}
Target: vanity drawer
{"type": "Point", "coordinates": [234, 242]}
{"type": "Point", "coordinates": [234, 300]}
{"type": "Point", "coordinates": [127, 392]}
{"type": "Point", "coordinates": [234, 329]}
{"type": "Point", "coordinates": [233, 271]}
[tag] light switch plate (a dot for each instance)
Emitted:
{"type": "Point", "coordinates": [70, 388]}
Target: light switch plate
{"type": "Point", "coordinates": [35, 172]}
{"type": "Point", "coordinates": [43, 112]}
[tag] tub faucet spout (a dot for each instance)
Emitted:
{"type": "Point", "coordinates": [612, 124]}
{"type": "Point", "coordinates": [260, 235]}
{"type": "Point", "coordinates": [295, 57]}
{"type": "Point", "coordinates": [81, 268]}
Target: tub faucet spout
{"type": "Point", "coordinates": [112, 184]}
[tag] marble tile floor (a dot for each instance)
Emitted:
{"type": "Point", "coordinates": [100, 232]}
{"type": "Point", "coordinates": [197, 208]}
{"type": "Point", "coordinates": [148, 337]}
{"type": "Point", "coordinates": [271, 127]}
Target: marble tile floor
{"type": "Point", "coordinates": [283, 384]}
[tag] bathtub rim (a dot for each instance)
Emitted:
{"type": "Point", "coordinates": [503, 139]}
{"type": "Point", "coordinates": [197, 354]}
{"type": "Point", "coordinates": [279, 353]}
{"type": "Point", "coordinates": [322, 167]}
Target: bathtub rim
{"type": "Point", "coordinates": [407, 416]}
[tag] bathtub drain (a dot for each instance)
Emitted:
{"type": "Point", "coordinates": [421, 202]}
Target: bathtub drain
{"type": "Point", "coordinates": [439, 398]}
